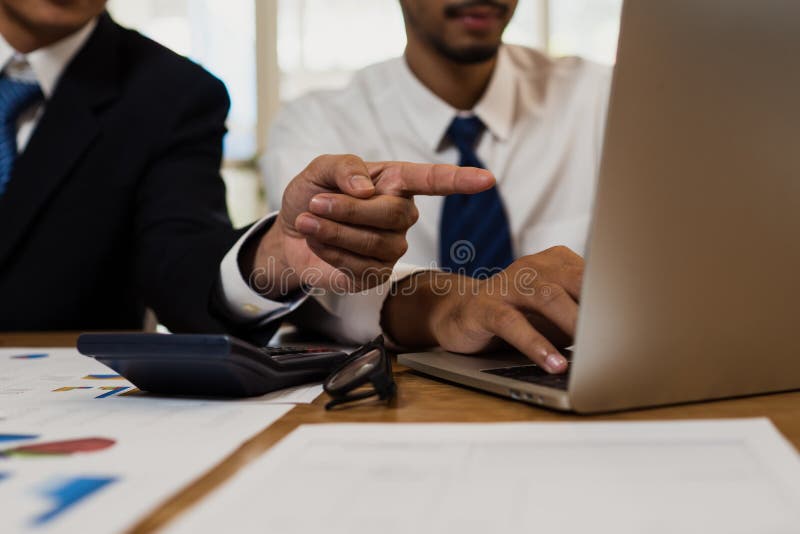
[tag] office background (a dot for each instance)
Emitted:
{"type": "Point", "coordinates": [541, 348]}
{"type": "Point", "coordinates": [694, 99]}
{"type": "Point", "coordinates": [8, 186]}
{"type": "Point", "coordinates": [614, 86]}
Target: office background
{"type": "Point", "coordinates": [270, 51]}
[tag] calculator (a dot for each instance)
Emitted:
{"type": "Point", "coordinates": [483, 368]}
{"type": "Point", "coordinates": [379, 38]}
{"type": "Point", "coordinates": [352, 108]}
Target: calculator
{"type": "Point", "coordinates": [203, 365]}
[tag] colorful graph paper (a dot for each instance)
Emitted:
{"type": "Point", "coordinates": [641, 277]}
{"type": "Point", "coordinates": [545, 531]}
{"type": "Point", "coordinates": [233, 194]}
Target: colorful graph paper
{"type": "Point", "coordinates": [66, 493]}
{"type": "Point", "coordinates": [60, 448]}
{"type": "Point", "coordinates": [16, 437]}
{"type": "Point", "coordinates": [103, 377]}
{"type": "Point", "coordinates": [36, 356]}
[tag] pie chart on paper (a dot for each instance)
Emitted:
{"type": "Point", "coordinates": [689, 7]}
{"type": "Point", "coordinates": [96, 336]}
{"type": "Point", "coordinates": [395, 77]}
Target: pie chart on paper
{"type": "Point", "coordinates": [59, 448]}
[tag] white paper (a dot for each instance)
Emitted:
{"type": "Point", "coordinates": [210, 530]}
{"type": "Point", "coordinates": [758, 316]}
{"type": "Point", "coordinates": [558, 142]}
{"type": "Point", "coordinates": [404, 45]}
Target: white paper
{"type": "Point", "coordinates": [143, 465]}
{"type": "Point", "coordinates": [305, 394]}
{"type": "Point", "coordinates": [150, 447]}
{"type": "Point", "coordinates": [37, 372]}
{"type": "Point", "coordinates": [703, 477]}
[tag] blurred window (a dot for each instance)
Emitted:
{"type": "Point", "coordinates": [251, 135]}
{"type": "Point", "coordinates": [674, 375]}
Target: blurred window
{"type": "Point", "coordinates": [218, 34]}
{"type": "Point", "coordinates": [586, 28]}
{"type": "Point", "coordinates": [315, 54]}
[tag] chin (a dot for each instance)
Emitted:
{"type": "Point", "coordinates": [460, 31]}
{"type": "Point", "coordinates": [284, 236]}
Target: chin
{"type": "Point", "coordinates": [52, 15]}
{"type": "Point", "coordinates": [471, 54]}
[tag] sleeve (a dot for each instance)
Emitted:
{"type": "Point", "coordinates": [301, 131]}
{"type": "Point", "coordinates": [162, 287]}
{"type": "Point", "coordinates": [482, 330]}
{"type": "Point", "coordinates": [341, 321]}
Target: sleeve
{"type": "Point", "coordinates": [352, 318]}
{"type": "Point", "coordinates": [247, 313]}
{"type": "Point", "coordinates": [182, 230]}
{"type": "Point", "coordinates": [300, 132]}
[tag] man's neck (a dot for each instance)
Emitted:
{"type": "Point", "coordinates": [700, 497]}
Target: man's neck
{"type": "Point", "coordinates": [25, 39]}
{"type": "Point", "coordinates": [460, 85]}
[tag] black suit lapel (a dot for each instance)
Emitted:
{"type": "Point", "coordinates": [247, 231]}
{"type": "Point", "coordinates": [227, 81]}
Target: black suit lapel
{"type": "Point", "coordinates": [68, 127]}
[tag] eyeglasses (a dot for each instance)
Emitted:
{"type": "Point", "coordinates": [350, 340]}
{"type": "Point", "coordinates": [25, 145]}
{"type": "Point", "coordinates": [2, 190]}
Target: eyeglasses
{"type": "Point", "coordinates": [366, 373]}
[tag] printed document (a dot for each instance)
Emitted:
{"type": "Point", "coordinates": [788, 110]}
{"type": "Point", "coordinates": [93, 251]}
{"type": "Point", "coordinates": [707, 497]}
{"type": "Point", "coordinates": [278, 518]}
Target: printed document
{"type": "Point", "coordinates": [82, 450]}
{"type": "Point", "coordinates": [700, 477]}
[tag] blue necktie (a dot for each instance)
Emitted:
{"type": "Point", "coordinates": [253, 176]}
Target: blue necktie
{"type": "Point", "coordinates": [15, 97]}
{"type": "Point", "coordinates": [475, 237]}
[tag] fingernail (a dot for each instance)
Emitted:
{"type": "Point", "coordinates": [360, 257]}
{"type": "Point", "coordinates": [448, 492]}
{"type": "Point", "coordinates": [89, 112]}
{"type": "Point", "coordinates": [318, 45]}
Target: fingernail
{"type": "Point", "coordinates": [362, 183]}
{"type": "Point", "coordinates": [487, 179]}
{"type": "Point", "coordinates": [321, 205]}
{"type": "Point", "coordinates": [556, 362]}
{"type": "Point", "coordinates": [307, 225]}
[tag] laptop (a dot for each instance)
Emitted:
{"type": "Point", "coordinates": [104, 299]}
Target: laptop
{"type": "Point", "coordinates": [692, 287]}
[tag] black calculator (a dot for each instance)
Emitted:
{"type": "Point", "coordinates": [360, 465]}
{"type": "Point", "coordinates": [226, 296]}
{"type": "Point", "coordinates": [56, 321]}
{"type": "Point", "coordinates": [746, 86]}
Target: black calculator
{"type": "Point", "coordinates": [208, 365]}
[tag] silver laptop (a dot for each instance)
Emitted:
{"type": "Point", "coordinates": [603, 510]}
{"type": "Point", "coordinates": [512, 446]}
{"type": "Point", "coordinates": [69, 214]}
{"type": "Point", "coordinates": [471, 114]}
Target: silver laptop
{"type": "Point", "coordinates": [692, 288]}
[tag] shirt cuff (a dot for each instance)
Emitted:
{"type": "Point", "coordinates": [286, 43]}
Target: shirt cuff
{"type": "Point", "coordinates": [244, 304]}
{"type": "Point", "coordinates": [356, 317]}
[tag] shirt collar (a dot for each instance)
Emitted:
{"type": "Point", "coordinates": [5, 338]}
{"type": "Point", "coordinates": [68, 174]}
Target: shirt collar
{"type": "Point", "coordinates": [496, 107]}
{"type": "Point", "coordinates": [431, 116]}
{"type": "Point", "coordinates": [48, 63]}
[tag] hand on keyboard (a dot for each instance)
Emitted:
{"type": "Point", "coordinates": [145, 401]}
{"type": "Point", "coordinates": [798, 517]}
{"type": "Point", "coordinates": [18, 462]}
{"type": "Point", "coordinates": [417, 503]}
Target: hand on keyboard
{"type": "Point", "coordinates": [470, 316]}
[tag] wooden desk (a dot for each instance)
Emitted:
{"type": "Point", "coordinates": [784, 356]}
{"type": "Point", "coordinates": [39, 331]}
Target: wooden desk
{"type": "Point", "coordinates": [422, 400]}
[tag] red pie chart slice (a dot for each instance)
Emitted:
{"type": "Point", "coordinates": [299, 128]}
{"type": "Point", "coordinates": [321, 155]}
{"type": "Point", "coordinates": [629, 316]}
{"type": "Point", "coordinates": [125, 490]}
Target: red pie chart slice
{"type": "Point", "coordinates": [73, 446]}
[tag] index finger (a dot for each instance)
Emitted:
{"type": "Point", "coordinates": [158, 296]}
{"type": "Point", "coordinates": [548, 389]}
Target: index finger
{"type": "Point", "coordinates": [511, 326]}
{"type": "Point", "coordinates": [406, 179]}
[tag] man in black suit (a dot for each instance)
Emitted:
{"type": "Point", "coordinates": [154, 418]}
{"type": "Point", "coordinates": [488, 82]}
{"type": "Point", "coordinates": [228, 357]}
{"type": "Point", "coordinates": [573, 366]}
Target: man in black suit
{"type": "Point", "coordinates": [111, 198]}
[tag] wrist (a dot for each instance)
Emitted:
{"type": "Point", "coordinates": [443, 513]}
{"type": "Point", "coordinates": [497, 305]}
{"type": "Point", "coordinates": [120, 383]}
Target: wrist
{"type": "Point", "coordinates": [270, 273]}
{"type": "Point", "coordinates": [446, 294]}
{"type": "Point", "coordinates": [412, 314]}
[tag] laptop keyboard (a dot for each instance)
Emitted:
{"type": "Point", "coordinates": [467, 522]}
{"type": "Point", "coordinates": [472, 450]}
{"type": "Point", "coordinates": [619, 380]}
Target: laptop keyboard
{"type": "Point", "coordinates": [532, 374]}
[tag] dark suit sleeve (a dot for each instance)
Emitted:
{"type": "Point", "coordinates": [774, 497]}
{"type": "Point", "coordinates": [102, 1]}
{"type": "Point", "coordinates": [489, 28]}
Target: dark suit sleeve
{"type": "Point", "coordinates": [182, 226]}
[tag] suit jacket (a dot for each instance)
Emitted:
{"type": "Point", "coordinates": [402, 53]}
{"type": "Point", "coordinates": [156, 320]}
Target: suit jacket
{"type": "Point", "coordinates": [117, 201]}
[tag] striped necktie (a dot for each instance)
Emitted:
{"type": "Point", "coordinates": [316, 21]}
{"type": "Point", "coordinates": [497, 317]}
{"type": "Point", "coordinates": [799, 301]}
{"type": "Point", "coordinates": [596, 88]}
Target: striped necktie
{"type": "Point", "coordinates": [475, 237]}
{"type": "Point", "coordinates": [15, 97]}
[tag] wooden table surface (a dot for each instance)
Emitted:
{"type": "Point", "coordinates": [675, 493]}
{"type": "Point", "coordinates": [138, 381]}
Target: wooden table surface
{"type": "Point", "coordinates": [424, 400]}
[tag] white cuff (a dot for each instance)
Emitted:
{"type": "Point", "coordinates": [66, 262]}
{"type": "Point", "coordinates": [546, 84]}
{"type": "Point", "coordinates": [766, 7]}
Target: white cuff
{"type": "Point", "coordinates": [356, 317]}
{"type": "Point", "coordinates": [242, 301]}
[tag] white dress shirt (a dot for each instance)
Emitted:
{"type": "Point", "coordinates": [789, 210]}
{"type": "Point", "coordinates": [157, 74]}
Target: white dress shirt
{"type": "Point", "coordinates": [545, 121]}
{"type": "Point", "coordinates": [45, 67]}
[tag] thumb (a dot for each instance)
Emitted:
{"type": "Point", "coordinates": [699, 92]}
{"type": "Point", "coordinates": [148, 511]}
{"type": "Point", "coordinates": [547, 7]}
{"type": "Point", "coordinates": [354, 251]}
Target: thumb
{"type": "Point", "coordinates": [348, 174]}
